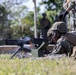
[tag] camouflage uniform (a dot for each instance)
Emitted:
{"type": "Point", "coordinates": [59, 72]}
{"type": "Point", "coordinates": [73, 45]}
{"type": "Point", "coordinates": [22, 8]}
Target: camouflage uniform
{"type": "Point", "coordinates": [73, 15]}
{"type": "Point", "coordinates": [63, 46]}
{"type": "Point", "coordinates": [71, 4]}
{"type": "Point", "coordinates": [67, 40]}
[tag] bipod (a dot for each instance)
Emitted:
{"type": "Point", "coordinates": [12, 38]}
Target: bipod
{"type": "Point", "coordinates": [17, 50]}
{"type": "Point", "coordinates": [20, 49]}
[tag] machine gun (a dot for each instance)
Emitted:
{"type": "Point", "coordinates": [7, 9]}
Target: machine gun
{"type": "Point", "coordinates": [19, 42]}
{"type": "Point", "coordinates": [40, 45]}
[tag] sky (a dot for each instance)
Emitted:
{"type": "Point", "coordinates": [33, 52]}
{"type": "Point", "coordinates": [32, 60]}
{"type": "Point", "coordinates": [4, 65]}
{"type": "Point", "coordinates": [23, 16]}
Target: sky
{"type": "Point", "coordinates": [30, 5]}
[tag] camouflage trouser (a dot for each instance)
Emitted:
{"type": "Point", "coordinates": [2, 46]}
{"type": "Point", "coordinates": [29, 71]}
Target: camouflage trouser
{"type": "Point", "coordinates": [71, 20]}
{"type": "Point", "coordinates": [72, 15]}
{"type": "Point", "coordinates": [63, 46]}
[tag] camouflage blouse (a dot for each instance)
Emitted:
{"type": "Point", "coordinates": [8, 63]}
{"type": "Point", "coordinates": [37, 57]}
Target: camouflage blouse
{"type": "Point", "coordinates": [63, 47]}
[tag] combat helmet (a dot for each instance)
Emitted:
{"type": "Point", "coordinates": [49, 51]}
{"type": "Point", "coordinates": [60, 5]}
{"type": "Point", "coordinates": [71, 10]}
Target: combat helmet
{"type": "Point", "coordinates": [59, 26]}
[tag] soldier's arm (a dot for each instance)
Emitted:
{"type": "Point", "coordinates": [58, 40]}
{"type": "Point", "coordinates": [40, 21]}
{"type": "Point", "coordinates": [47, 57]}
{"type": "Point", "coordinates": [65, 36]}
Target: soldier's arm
{"type": "Point", "coordinates": [62, 46]}
{"type": "Point", "coordinates": [65, 4]}
{"type": "Point", "coordinates": [70, 7]}
{"type": "Point", "coordinates": [58, 48]}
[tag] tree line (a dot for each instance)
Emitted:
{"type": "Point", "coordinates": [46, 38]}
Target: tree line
{"type": "Point", "coordinates": [17, 21]}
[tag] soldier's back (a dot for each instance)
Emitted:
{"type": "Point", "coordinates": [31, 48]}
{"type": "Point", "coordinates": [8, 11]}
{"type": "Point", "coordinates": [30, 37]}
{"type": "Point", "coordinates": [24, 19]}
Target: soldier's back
{"type": "Point", "coordinates": [71, 37]}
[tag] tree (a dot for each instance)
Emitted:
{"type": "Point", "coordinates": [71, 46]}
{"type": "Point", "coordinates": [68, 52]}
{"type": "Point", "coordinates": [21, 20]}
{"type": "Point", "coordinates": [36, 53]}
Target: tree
{"type": "Point", "coordinates": [11, 13]}
{"type": "Point", "coordinates": [53, 8]}
{"type": "Point", "coordinates": [52, 4]}
{"type": "Point", "coordinates": [4, 23]}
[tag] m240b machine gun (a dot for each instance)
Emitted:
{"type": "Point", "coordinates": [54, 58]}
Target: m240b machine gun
{"type": "Point", "coordinates": [40, 44]}
{"type": "Point", "coordinates": [19, 42]}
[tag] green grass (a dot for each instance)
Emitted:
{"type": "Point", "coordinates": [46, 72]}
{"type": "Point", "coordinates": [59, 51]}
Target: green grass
{"type": "Point", "coordinates": [33, 66]}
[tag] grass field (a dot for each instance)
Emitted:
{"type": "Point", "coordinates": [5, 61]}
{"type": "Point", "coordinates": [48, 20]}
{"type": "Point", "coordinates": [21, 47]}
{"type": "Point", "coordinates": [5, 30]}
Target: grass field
{"type": "Point", "coordinates": [33, 66]}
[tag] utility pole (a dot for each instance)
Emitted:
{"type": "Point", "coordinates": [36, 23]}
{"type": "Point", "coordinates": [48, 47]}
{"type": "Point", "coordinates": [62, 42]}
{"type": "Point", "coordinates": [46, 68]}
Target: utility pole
{"type": "Point", "coordinates": [35, 19]}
